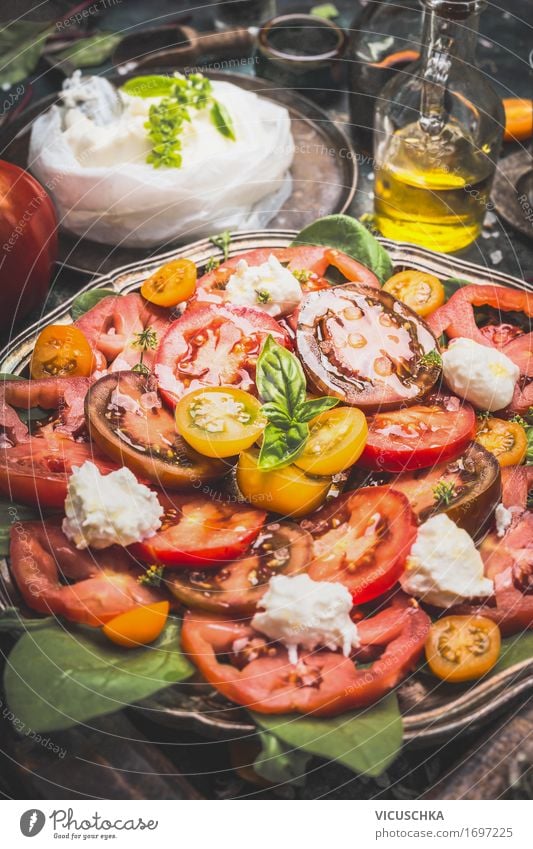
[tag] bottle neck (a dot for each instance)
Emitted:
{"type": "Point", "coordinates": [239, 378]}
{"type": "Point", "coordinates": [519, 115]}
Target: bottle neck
{"type": "Point", "coordinates": [446, 36]}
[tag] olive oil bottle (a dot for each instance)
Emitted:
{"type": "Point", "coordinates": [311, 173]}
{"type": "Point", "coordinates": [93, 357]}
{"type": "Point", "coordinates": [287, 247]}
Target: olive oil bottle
{"type": "Point", "coordinates": [437, 136]}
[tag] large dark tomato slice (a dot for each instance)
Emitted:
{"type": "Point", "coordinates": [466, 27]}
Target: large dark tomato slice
{"type": "Point", "coordinates": [257, 674]}
{"type": "Point", "coordinates": [362, 540]}
{"type": "Point", "coordinates": [365, 347]}
{"type": "Point", "coordinates": [418, 436]}
{"type": "Point", "coordinates": [213, 346]}
{"type": "Point", "coordinates": [281, 548]}
{"type": "Point", "coordinates": [91, 587]}
{"type": "Point", "coordinates": [126, 419]}
{"type": "Point", "coordinates": [37, 471]}
{"type": "Point", "coordinates": [310, 264]}
{"type": "Point", "coordinates": [201, 533]}
{"type": "Point", "coordinates": [467, 490]}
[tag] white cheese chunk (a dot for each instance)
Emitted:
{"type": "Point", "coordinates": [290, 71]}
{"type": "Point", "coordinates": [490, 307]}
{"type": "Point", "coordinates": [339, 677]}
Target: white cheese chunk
{"type": "Point", "coordinates": [482, 375]}
{"type": "Point", "coordinates": [298, 611]}
{"type": "Point", "coordinates": [103, 510]}
{"type": "Point", "coordinates": [503, 517]}
{"type": "Point", "coordinates": [444, 566]}
{"type": "Point", "coordinates": [268, 287]}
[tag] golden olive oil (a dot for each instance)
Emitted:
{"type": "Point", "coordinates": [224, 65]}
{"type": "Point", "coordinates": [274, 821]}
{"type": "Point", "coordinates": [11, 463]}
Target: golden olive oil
{"type": "Point", "coordinates": [432, 191]}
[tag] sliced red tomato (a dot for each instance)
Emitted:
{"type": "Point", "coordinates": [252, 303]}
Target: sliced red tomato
{"type": "Point", "coordinates": [417, 437]}
{"type": "Point", "coordinates": [37, 471]}
{"type": "Point", "coordinates": [309, 263]}
{"type": "Point", "coordinates": [201, 533]}
{"type": "Point", "coordinates": [213, 346]}
{"type": "Point", "coordinates": [516, 483]}
{"type": "Point", "coordinates": [113, 325]}
{"type": "Point", "coordinates": [362, 540]}
{"type": "Point", "coordinates": [64, 394]}
{"type": "Point", "coordinates": [90, 587]}
{"type": "Point", "coordinates": [258, 675]}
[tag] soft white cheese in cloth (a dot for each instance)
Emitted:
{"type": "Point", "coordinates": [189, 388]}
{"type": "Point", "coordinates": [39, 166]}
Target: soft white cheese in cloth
{"type": "Point", "coordinates": [298, 611]}
{"type": "Point", "coordinates": [103, 510]}
{"type": "Point", "coordinates": [480, 374]}
{"type": "Point", "coordinates": [444, 566]}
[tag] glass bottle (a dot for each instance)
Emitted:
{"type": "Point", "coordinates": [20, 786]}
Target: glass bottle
{"type": "Point", "coordinates": [437, 135]}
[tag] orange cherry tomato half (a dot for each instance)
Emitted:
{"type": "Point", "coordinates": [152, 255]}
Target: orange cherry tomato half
{"type": "Point", "coordinates": [171, 284]}
{"type": "Point", "coordinates": [518, 118]}
{"type": "Point", "coordinates": [506, 440]}
{"type": "Point", "coordinates": [421, 291]}
{"type": "Point", "coordinates": [139, 626]}
{"type": "Point", "coordinates": [462, 648]}
{"type": "Point", "coordinates": [61, 350]}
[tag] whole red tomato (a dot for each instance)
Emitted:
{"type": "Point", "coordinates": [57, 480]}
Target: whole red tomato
{"type": "Point", "coordinates": [28, 243]}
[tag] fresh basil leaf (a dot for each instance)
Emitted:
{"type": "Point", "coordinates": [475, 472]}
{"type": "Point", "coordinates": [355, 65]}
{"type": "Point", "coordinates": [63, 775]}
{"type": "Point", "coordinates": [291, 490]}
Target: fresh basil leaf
{"type": "Point", "coordinates": [87, 300]}
{"type": "Point", "coordinates": [350, 236]}
{"type": "Point", "coordinates": [21, 45]}
{"type": "Point", "coordinates": [280, 377]}
{"type": "Point", "coordinates": [313, 408]}
{"type": "Point", "coordinates": [65, 677]}
{"type": "Point", "coordinates": [12, 621]}
{"type": "Point", "coordinates": [278, 763]}
{"type": "Point", "coordinates": [280, 446]}
{"type": "Point", "coordinates": [91, 51]}
{"type": "Point", "coordinates": [10, 514]}
{"type": "Point", "coordinates": [151, 85]}
{"type": "Point", "coordinates": [222, 120]}
{"type": "Point", "coordinates": [275, 414]}
{"type": "Point", "coordinates": [366, 741]}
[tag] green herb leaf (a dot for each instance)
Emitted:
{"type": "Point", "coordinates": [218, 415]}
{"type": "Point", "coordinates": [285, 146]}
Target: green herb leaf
{"type": "Point", "coordinates": [64, 677]}
{"type": "Point", "coordinates": [10, 514]}
{"type": "Point", "coordinates": [366, 741]}
{"type": "Point", "coordinates": [211, 264]}
{"type": "Point", "coordinates": [91, 51]}
{"type": "Point", "coordinates": [282, 445]}
{"type": "Point", "coordinates": [280, 377]}
{"type": "Point", "coordinates": [222, 120]}
{"type": "Point", "coordinates": [151, 85]}
{"type": "Point", "coordinates": [152, 576]}
{"type": "Point", "coordinates": [325, 10]}
{"type": "Point", "coordinates": [313, 408]}
{"type": "Point", "coordinates": [222, 241]}
{"type": "Point", "coordinates": [443, 493]}
{"type": "Point", "coordinates": [431, 360]}
{"type": "Point", "coordinates": [21, 45]}
{"type": "Point", "coordinates": [350, 236]}
{"type": "Point", "coordinates": [514, 650]}
{"type": "Point", "coordinates": [87, 300]}
{"type": "Point", "coordinates": [278, 763]}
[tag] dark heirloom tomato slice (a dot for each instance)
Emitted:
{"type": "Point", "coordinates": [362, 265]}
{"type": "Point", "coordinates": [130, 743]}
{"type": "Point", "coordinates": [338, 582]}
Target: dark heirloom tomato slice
{"type": "Point", "coordinates": [213, 345]}
{"type": "Point", "coordinates": [280, 549]}
{"type": "Point", "coordinates": [309, 262]}
{"type": "Point", "coordinates": [362, 540]}
{"type": "Point", "coordinates": [200, 533]}
{"type": "Point", "coordinates": [467, 490]}
{"type": "Point", "coordinates": [126, 419]}
{"type": "Point", "coordinates": [257, 674]}
{"type": "Point", "coordinates": [365, 347]}
{"type": "Point", "coordinates": [419, 436]}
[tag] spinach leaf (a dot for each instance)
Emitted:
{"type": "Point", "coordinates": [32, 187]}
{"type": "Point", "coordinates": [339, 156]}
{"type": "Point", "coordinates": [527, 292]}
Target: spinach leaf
{"type": "Point", "coordinates": [452, 285]}
{"type": "Point", "coordinates": [278, 763]}
{"type": "Point", "coordinates": [10, 513]}
{"type": "Point", "coordinates": [12, 621]}
{"type": "Point", "coordinates": [91, 51]}
{"type": "Point", "coordinates": [87, 300]}
{"type": "Point", "coordinates": [366, 741]}
{"type": "Point", "coordinates": [350, 236]}
{"type": "Point", "coordinates": [61, 677]}
{"type": "Point", "coordinates": [21, 45]}
{"type": "Point", "coordinates": [515, 650]}
{"type": "Point", "coordinates": [151, 85]}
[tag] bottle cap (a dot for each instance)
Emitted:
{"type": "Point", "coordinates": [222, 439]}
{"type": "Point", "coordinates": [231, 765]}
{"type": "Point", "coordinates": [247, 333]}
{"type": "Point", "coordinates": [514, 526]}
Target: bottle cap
{"type": "Point", "coordinates": [456, 10]}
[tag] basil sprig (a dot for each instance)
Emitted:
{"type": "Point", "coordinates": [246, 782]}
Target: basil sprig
{"type": "Point", "coordinates": [281, 383]}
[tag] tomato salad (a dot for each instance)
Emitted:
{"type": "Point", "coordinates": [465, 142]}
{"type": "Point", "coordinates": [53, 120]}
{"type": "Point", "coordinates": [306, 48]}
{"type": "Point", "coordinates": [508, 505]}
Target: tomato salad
{"type": "Point", "coordinates": [293, 458]}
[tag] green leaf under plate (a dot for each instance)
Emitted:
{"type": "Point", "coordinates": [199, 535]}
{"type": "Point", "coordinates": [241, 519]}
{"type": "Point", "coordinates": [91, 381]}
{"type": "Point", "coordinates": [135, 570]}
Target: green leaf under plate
{"type": "Point", "coordinates": [21, 45]}
{"type": "Point", "coordinates": [10, 513]}
{"type": "Point", "coordinates": [87, 300]}
{"type": "Point", "coordinates": [350, 236]}
{"type": "Point", "coordinates": [366, 741]}
{"type": "Point", "coordinates": [279, 764]}
{"type": "Point", "coordinates": [515, 650]}
{"type": "Point", "coordinates": [59, 676]}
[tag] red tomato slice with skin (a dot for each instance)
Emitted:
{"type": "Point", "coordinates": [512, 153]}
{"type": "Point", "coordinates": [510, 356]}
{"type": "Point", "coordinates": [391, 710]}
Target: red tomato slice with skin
{"type": "Point", "coordinates": [314, 259]}
{"type": "Point", "coordinates": [213, 345]}
{"type": "Point", "coordinates": [362, 540]}
{"type": "Point", "coordinates": [258, 675]}
{"type": "Point", "coordinates": [201, 533]}
{"type": "Point", "coordinates": [418, 437]}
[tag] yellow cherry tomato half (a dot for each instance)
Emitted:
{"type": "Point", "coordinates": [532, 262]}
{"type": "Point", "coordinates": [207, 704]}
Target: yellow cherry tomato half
{"type": "Point", "coordinates": [139, 626]}
{"type": "Point", "coordinates": [219, 421]}
{"type": "Point", "coordinates": [506, 440]}
{"type": "Point", "coordinates": [336, 441]}
{"type": "Point", "coordinates": [171, 284]}
{"type": "Point", "coordinates": [419, 290]}
{"type": "Point", "coordinates": [61, 350]}
{"type": "Point", "coordinates": [462, 648]}
{"type": "Point", "coordinates": [288, 491]}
